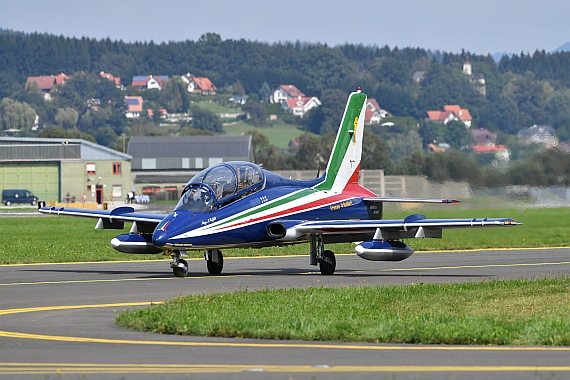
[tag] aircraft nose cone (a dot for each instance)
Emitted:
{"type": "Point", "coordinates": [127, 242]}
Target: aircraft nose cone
{"type": "Point", "coordinates": [159, 238]}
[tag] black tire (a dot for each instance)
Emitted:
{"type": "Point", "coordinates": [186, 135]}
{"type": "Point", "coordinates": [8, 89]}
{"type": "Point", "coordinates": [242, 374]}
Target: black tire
{"type": "Point", "coordinates": [181, 271]}
{"type": "Point", "coordinates": [34, 203]}
{"type": "Point", "coordinates": [216, 268]}
{"type": "Point", "coordinates": [7, 203]}
{"type": "Point", "coordinates": [327, 265]}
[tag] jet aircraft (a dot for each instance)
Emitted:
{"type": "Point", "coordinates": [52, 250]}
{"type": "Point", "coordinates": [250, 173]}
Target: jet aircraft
{"type": "Point", "coordinates": [241, 205]}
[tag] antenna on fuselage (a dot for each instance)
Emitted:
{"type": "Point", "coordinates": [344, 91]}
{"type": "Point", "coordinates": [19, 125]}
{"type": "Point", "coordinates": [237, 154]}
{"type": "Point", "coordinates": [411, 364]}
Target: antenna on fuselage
{"type": "Point", "coordinates": [319, 171]}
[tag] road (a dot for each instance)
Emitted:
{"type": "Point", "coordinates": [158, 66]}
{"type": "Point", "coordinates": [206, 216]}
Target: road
{"type": "Point", "coordinates": [56, 321]}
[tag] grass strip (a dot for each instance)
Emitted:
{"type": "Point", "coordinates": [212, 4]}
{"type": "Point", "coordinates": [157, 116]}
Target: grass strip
{"type": "Point", "coordinates": [52, 239]}
{"type": "Point", "coordinates": [514, 312]}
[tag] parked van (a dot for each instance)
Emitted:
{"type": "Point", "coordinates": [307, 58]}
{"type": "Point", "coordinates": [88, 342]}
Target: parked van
{"type": "Point", "coordinates": [18, 196]}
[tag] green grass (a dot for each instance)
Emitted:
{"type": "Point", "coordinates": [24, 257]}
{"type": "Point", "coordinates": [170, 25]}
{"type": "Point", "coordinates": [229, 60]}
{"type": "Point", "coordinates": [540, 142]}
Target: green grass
{"type": "Point", "coordinates": [216, 108]}
{"type": "Point", "coordinates": [68, 239]}
{"type": "Point", "coordinates": [53, 239]}
{"type": "Point", "coordinates": [542, 227]}
{"type": "Point", "coordinates": [520, 312]}
{"type": "Point", "coordinates": [279, 133]}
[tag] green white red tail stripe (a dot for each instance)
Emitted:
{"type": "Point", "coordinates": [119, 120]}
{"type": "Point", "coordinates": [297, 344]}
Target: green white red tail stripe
{"type": "Point", "coordinates": [347, 150]}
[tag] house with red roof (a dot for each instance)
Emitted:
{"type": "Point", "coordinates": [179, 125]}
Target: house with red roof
{"type": "Point", "coordinates": [284, 92]}
{"type": "Point", "coordinates": [47, 83]}
{"type": "Point", "coordinates": [451, 113]}
{"type": "Point", "coordinates": [373, 113]}
{"type": "Point", "coordinates": [199, 85]}
{"type": "Point", "coordinates": [115, 80]}
{"type": "Point", "coordinates": [149, 82]}
{"type": "Point", "coordinates": [301, 105]}
{"type": "Point", "coordinates": [134, 106]}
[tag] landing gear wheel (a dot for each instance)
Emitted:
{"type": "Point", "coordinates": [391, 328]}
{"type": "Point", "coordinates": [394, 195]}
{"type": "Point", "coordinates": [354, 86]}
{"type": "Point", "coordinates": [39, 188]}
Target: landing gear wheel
{"type": "Point", "coordinates": [327, 263]}
{"type": "Point", "coordinates": [214, 267]}
{"type": "Point", "coordinates": [181, 270]}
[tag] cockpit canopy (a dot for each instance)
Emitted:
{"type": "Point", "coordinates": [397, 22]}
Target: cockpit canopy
{"type": "Point", "coordinates": [221, 185]}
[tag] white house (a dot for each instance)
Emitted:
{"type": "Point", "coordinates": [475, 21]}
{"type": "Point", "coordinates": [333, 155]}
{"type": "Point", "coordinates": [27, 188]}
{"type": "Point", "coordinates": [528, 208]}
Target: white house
{"type": "Point", "coordinates": [451, 113]}
{"type": "Point", "coordinates": [284, 92]}
{"type": "Point", "coordinates": [301, 105]}
{"type": "Point", "coordinates": [199, 85]}
{"type": "Point", "coordinates": [149, 82]}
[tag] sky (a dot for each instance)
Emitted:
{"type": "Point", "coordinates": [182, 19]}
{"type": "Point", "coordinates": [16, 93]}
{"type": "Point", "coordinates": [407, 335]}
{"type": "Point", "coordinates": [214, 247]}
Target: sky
{"type": "Point", "coordinates": [477, 26]}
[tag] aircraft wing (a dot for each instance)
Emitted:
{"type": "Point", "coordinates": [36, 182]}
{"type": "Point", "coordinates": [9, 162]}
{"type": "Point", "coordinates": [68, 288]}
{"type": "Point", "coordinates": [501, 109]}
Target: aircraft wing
{"type": "Point", "coordinates": [409, 200]}
{"type": "Point", "coordinates": [414, 226]}
{"type": "Point", "coordinates": [112, 219]}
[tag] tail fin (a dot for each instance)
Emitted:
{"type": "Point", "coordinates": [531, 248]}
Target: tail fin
{"type": "Point", "coordinates": [344, 162]}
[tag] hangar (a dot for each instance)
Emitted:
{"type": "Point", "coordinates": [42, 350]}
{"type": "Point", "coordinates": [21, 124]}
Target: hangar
{"type": "Point", "coordinates": [57, 169]}
{"type": "Point", "coordinates": [162, 165]}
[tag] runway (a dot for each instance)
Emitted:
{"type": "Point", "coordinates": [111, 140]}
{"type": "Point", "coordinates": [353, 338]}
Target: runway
{"type": "Point", "coordinates": [57, 321]}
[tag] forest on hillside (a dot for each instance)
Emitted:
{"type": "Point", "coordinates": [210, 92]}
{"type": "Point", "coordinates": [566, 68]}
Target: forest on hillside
{"type": "Point", "coordinates": [520, 91]}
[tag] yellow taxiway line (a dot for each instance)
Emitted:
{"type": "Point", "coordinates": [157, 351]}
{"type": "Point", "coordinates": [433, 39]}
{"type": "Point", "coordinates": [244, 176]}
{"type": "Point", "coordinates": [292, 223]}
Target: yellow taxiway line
{"type": "Point", "coordinates": [329, 346]}
{"type": "Point", "coordinates": [71, 368]}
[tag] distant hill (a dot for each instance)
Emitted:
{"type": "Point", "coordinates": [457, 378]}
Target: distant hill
{"type": "Point", "coordinates": [565, 47]}
{"type": "Point", "coordinates": [497, 56]}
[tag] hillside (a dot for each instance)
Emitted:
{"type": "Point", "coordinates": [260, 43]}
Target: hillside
{"type": "Point", "coordinates": [504, 98]}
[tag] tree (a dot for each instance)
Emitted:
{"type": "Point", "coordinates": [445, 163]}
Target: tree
{"type": "Point", "coordinates": [375, 153]}
{"type": "Point", "coordinates": [457, 135]}
{"type": "Point", "coordinates": [65, 133]}
{"type": "Point", "coordinates": [264, 153]}
{"type": "Point", "coordinates": [431, 132]}
{"type": "Point", "coordinates": [67, 118]}
{"type": "Point", "coordinates": [404, 144]}
{"type": "Point", "coordinates": [313, 152]}
{"type": "Point", "coordinates": [256, 114]}
{"type": "Point", "coordinates": [205, 120]}
{"type": "Point", "coordinates": [558, 107]}
{"type": "Point", "coordinates": [264, 92]}
{"type": "Point", "coordinates": [106, 136]}
{"type": "Point", "coordinates": [16, 115]}
{"type": "Point", "coordinates": [237, 88]}
{"type": "Point", "coordinates": [326, 118]}
{"type": "Point", "coordinates": [172, 96]}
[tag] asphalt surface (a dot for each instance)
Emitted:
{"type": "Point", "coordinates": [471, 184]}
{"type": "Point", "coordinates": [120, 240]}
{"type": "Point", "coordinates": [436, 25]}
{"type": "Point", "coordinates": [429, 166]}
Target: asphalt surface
{"type": "Point", "coordinates": [56, 321]}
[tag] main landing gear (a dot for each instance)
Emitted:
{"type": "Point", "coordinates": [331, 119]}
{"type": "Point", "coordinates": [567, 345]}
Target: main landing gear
{"type": "Point", "coordinates": [325, 258]}
{"type": "Point", "coordinates": [214, 261]}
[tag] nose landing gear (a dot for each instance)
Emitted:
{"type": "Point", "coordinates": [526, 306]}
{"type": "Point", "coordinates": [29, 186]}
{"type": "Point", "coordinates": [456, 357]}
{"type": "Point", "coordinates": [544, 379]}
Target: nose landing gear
{"type": "Point", "coordinates": [178, 265]}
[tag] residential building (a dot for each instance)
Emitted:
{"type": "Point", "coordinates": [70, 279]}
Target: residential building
{"type": "Point", "coordinates": [284, 92]}
{"type": "Point", "coordinates": [450, 113]}
{"type": "Point", "coordinates": [373, 113]}
{"type": "Point", "coordinates": [47, 83]}
{"type": "Point", "coordinates": [199, 85]}
{"type": "Point", "coordinates": [301, 105]}
{"type": "Point", "coordinates": [539, 134]}
{"type": "Point", "coordinates": [134, 106]}
{"type": "Point", "coordinates": [149, 82]}
{"type": "Point", "coordinates": [418, 76]}
{"type": "Point", "coordinates": [483, 137]}
{"type": "Point", "coordinates": [115, 80]}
